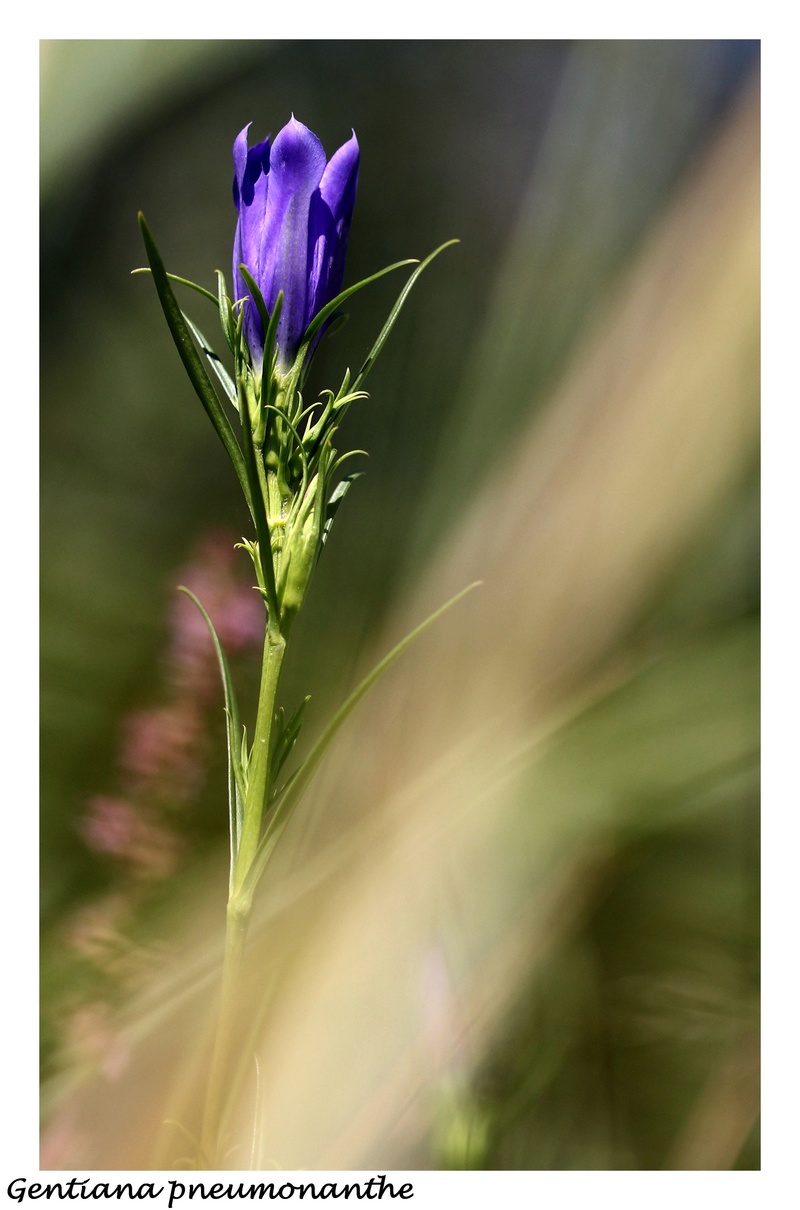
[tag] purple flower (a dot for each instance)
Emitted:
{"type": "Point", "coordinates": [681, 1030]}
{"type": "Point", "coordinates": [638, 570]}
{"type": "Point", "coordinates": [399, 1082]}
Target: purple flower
{"type": "Point", "coordinates": [294, 220]}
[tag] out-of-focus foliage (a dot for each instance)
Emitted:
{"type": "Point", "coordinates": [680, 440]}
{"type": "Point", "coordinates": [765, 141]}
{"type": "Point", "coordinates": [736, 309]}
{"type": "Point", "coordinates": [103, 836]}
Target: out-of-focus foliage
{"type": "Point", "coordinates": [516, 924]}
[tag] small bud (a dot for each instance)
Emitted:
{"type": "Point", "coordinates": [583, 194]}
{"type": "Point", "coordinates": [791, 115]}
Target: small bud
{"type": "Point", "coordinates": [301, 551]}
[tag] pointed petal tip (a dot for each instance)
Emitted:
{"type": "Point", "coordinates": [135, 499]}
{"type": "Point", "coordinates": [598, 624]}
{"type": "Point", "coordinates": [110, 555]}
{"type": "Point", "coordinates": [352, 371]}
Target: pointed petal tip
{"type": "Point", "coordinates": [241, 138]}
{"type": "Point", "coordinates": [298, 150]}
{"type": "Point", "coordinates": [350, 150]}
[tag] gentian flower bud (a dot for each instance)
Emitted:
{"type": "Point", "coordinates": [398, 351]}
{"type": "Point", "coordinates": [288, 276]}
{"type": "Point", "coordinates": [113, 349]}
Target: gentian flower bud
{"type": "Point", "coordinates": [294, 220]}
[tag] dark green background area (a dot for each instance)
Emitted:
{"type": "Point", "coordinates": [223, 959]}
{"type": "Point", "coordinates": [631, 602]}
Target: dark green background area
{"type": "Point", "coordinates": [550, 162]}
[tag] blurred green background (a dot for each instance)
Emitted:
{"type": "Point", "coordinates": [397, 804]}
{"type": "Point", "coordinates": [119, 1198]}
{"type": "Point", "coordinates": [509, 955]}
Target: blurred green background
{"type": "Point", "coordinates": [633, 1045]}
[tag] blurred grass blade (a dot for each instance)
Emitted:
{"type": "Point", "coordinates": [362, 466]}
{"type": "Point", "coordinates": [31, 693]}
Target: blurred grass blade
{"type": "Point", "coordinates": [288, 797]}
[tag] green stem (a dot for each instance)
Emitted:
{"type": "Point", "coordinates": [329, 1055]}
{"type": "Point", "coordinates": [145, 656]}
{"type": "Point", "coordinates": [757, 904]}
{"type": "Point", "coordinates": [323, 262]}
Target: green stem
{"type": "Point", "coordinates": [224, 1058]}
{"type": "Point", "coordinates": [259, 769]}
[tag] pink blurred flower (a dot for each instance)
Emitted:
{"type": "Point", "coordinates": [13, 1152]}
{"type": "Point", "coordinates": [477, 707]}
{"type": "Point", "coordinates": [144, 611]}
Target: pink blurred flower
{"type": "Point", "coordinates": [62, 1142]}
{"type": "Point", "coordinates": [234, 606]}
{"type": "Point", "coordinates": [120, 829]}
{"type": "Point", "coordinates": [91, 1037]}
{"type": "Point", "coordinates": [160, 750]}
{"type": "Point", "coordinates": [94, 930]}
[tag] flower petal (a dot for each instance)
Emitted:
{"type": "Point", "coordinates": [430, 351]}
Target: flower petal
{"type": "Point", "coordinates": [297, 162]}
{"type": "Point", "coordinates": [340, 179]}
{"type": "Point", "coordinates": [239, 163]}
{"type": "Point", "coordinates": [329, 226]}
{"type": "Point", "coordinates": [250, 193]}
{"type": "Point", "coordinates": [294, 220]}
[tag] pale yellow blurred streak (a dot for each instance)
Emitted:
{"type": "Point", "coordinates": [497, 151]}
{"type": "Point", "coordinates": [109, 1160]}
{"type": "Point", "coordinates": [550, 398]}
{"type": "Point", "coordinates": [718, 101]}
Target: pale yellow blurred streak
{"type": "Point", "coordinates": [423, 841]}
{"type": "Point", "coordinates": [724, 1113]}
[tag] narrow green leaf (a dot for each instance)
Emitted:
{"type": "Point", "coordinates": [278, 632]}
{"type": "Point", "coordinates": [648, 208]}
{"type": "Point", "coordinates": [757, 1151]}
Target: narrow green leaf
{"type": "Point", "coordinates": [222, 374]}
{"type": "Point", "coordinates": [184, 281]}
{"type": "Point", "coordinates": [259, 510]}
{"type": "Point", "coordinates": [334, 304]}
{"type": "Point", "coordinates": [271, 331]}
{"type": "Point", "coordinates": [393, 314]}
{"type": "Point", "coordinates": [287, 798]}
{"type": "Point", "coordinates": [346, 457]}
{"type": "Point", "coordinates": [297, 439]}
{"type": "Point", "coordinates": [237, 786]}
{"type": "Point", "coordinates": [258, 298]}
{"type": "Point", "coordinates": [336, 325]}
{"type": "Point", "coordinates": [286, 734]}
{"type": "Point", "coordinates": [191, 359]}
{"type": "Point", "coordinates": [344, 401]}
{"type": "Point", "coordinates": [224, 304]}
{"type": "Point", "coordinates": [338, 494]}
{"type": "Point", "coordinates": [245, 754]}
